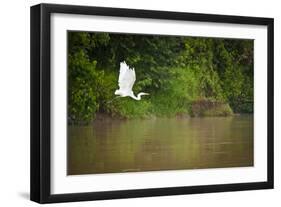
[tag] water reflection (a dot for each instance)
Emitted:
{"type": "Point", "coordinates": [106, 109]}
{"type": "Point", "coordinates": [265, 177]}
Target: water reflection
{"type": "Point", "coordinates": [160, 144]}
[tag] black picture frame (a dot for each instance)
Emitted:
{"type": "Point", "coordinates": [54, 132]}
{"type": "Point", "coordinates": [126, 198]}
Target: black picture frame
{"type": "Point", "coordinates": [41, 97]}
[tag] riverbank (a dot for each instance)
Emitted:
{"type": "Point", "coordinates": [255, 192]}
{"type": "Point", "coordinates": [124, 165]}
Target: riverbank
{"type": "Point", "coordinates": [103, 118]}
{"type": "Point", "coordinates": [199, 108]}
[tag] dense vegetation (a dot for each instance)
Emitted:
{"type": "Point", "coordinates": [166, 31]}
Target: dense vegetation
{"type": "Point", "coordinates": [183, 75]}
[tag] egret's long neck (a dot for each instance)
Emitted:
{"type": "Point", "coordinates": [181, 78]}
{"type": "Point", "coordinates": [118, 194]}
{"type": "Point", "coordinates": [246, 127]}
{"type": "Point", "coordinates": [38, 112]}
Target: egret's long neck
{"type": "Point", "coordinates": [138, 97]}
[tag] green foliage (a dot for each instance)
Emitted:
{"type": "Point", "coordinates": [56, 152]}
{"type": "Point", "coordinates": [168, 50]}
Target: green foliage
{"type": "Point", "coordinates": [176, 71]}
{"type": "Point", "coordinates": [181, 89]}
{"type": "Point", "coordinates": [128, 108]}
{"type": "Point", "coordinates": [82, 85]}
{"type": "Point", "coordinates": [199, 56]}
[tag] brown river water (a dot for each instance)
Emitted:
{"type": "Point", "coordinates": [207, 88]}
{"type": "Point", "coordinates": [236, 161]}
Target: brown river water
{"type": "Point", "coordinates": [115, 146]}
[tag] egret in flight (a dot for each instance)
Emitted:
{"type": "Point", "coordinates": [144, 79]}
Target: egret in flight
{"type": "Point", "coordinates": [127, 78]}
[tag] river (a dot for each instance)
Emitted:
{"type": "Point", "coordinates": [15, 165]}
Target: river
{"type": "Point", "coordinates": [160, 144]}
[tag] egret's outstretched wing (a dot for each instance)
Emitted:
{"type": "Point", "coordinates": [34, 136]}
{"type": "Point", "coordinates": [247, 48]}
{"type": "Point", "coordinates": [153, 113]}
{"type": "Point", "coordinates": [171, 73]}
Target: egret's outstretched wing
{"type": "Point", "coordinates": [127, 77]}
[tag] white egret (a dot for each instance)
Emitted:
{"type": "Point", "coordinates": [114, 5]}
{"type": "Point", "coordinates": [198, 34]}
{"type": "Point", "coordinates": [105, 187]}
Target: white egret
{"type": "Point", "coordinates": [127, 78]}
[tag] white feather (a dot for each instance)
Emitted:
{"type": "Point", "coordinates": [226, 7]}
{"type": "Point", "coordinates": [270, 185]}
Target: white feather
{"type": "Point", "coordinates": [126, 80]}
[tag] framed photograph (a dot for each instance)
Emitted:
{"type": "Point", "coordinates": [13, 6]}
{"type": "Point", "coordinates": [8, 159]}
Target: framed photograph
{"type": "Point", "coordinates": [133, 103]}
